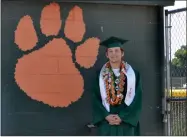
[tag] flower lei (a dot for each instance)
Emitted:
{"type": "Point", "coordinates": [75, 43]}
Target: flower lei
{"type": "Point", "coordinates": [111, 89]}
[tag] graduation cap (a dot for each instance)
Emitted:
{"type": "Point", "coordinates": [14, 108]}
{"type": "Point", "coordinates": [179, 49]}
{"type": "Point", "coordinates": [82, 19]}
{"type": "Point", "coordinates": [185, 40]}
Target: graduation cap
{"type": "Point", "coordinates": [113, 42]}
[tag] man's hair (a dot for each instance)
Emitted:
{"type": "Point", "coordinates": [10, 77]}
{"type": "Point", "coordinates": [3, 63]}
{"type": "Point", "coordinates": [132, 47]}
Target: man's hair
{"type": "Point", "coordinates": [122, 50]}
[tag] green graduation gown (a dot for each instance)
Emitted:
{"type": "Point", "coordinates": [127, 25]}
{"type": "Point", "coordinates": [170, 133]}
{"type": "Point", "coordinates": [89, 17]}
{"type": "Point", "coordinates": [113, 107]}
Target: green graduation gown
{"type": "Point", "coordinates": [129, 115]}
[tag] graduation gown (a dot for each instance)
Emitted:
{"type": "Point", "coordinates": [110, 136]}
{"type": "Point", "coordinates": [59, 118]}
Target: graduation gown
{"type": "Point", "coordinates": [129, 114]}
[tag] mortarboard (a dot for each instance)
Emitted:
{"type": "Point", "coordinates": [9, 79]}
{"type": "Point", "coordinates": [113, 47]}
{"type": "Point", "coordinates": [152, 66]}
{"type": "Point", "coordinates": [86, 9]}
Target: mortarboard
{"type": "Point", "coordinates": [113, 42]}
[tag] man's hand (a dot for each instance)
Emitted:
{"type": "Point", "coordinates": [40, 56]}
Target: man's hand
{"type": "Point", "coordinates": [113, 119]}
{"type": "Point", "coordinates": [110, 118]}
{"type": "Point", "coordinates": [117, 120]}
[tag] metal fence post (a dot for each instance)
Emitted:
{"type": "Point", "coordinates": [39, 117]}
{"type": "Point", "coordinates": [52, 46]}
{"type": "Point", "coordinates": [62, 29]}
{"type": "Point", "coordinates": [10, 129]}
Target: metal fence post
{"type": "Point", "coordinates": [167, 77]}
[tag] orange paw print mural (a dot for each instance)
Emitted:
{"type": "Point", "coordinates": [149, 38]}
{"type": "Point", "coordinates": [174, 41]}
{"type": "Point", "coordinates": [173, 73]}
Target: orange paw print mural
{"type": "Point", "coordinates": [49, 74]}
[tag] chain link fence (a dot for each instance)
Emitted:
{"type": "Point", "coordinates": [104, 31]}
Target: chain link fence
{"type": "Point", "coordinates": [177, 58]}
{"type": "Point", "coordinates": [178, 82]}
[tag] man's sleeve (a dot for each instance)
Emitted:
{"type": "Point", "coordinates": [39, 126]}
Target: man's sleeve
{"type": "Point", "coordinates": [99, 112]}
{"type": "Point", "coordinates": [131, 114]}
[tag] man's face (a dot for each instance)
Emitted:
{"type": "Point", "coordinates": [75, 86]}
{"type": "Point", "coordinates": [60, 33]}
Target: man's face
{"type": "Point", "coordinates": [114, 54]}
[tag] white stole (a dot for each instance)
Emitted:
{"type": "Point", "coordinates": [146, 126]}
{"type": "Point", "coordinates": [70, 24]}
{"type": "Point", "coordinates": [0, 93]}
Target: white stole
{"type": "Point", "coordinates": [131, 81]}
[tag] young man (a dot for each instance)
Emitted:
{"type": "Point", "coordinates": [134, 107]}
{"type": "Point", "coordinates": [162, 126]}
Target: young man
{"type": "Point", "coordinates": [117, 96]}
